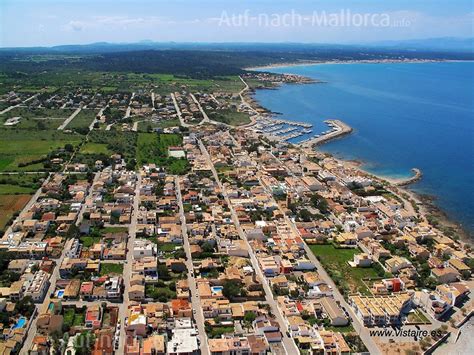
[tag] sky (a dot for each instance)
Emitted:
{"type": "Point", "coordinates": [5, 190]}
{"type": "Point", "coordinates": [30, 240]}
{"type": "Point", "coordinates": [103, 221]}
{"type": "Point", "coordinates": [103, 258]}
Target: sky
{"type": "Point", "coordinates": [55, 22]}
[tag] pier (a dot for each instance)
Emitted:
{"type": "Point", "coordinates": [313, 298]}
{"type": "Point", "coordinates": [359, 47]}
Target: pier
{"type": "Point", "coordinates": [339, 129]}
{"type": "Point", "coordinates": [403, 182]}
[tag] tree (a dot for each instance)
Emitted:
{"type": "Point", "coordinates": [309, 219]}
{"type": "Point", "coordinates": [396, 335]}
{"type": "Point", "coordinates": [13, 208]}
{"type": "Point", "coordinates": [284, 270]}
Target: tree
{"type": "Point", "coordinates": [69, 147]}
{"type": "Point", "coordinates": [231, 289]}
{"type": "Point", "coordinates": [25, 306]}
{"type": "Point", "coordinates": [320, 203]}
{"type": "Point", "coordinates": [249, 317]}
{"type": "Point", "coordinates": [207, 247]}
{"type": "Point", "coordinates": [83, 343]}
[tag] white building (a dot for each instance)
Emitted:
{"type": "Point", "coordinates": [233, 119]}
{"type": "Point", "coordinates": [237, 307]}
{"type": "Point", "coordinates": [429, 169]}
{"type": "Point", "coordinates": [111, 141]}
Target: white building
{"type": "Point", "coordinates": [38, 286]}
{"type": "Point", "coordinates": [143, 248]}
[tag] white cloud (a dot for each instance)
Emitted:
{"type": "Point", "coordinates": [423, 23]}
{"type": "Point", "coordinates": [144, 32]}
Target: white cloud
{"type": "Point", "coordinates": [75, 26]}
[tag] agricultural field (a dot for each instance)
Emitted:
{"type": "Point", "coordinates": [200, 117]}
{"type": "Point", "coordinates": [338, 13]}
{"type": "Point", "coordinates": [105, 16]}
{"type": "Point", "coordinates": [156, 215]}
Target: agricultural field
{"type": "Point", "coordinates": [335, 261]}
{"type": "Point", "coordinates": [9, 205]}
{"type": "Point", "coordinates": [20, 149]}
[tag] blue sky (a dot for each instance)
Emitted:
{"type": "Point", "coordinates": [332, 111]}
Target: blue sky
{"type": "Point", "coordinates": [53, 22]}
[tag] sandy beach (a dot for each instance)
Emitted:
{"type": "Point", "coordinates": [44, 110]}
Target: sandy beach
{"type": "Point", "coordinates": [369, 61]}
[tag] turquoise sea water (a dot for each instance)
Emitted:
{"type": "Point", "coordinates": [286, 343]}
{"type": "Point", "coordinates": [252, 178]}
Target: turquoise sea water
{"type": "Point", "coordinates": [404, 115]}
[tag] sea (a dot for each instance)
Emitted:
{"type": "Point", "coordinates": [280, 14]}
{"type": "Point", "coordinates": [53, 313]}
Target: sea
{"type": "Point", "coordinates": [404, 116]}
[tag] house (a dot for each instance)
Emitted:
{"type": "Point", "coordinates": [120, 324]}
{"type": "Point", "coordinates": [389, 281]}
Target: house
{"type": "Point", "coordinates": [229, 346]}
{"type": "Point", "coordinates": [49, 323]}
{"type": "Point", "coordinates": [143, 248]}
{"type": "Point", "coordinates": [136, 292]}
{"type": "Point", "coordinates": [113, 287]}
{"type": "Point", "coordinates": [93, 318]}
{"type": "Point", "coordinates": [445, 275]}
{"type": "Point", "coordinates": [361, 260]}
{"type": "Point", "coordinates": [153, 345]}
{"type": "Point", "coordinates": [460, 266]}
{"type": "Point", "coordinates": [176, 265]}
{"type": "Point", "coordinates": [333, 312]}
{"type": "Point", "coordinates": [137, 322]}
{"type": "Point", "coordinates": [455, 293]}
{"type": "Point", "coordinates": [269, 328]}
{"type": "Point", "coordinates": [181, 308]}
{"type": "Point", "coordinates": [397, 263]}
{"type": "Point", "coordinates": [433, 303]}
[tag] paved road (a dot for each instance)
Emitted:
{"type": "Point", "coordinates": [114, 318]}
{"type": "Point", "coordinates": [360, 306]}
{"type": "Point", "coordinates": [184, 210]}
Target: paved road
{"type": "Point", "coordinates": [195, 300]}
{"type": "Point", "coordinates": [206, 117]}
{"type": "Point", "coordinates": [242, 99]}
{"type": "Point", "coordinates": [129, 108]}
{"type": "Point", "coordinates": [70, 118]}
{"type": "Point", "coordinates": [99, 114]}
{"type": "Point", "coordinates": [42, 308]}
{"type": "Point", "coordinates": [178, 111]}
{"type": "Point", "coordinates": [288, 343]}
{"type": "Point", "coordinates": [18, 105]}
{"type": "Point", "coordinates": [127, 270]}
{"type": "Point", "coordinates": [356, 323]}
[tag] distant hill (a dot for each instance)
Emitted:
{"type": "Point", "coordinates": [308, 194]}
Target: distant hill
{"type": "Point", "coordinates": [447, 44]}
{"type": "Point", "coordinates": [201, 60]}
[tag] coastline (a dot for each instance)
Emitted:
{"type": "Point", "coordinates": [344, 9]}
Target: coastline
{"type": "Point", "coordinates": [359, 61]}
{"type": "Point", "coordinates": [423, 204]}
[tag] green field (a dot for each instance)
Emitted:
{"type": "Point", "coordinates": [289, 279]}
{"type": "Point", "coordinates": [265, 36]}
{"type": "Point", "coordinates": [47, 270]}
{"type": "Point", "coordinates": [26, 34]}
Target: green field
{"type": "Point", "coordinates": [20, 183]}
{"type": "Point", "coordinates": [230, 117]}
{"type": "Point", "coordinates": [23, 146]}
{"type": "Point", "coordinates": [95, 148]}
{"type": "Point", "coordinates": [26, 112]}
{"type": "Point", "coordinates": [83, 119]}
{"type": "Point", "coordinates": [109, 268]}
{"type": "Point", "coordinates": [146, 126]}
{"type": "Point", "coordinates": [153, 148]}
{"type": "Point", "coordinates": [347, 278]}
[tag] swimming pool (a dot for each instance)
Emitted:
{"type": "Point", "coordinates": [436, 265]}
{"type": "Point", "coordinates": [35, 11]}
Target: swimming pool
{"type": "Point", "coordinates": [20, 323]}
{"type": "Point", "coordinates": [216, 289]}
{"type": "Point", "coordinates": [60, 293]}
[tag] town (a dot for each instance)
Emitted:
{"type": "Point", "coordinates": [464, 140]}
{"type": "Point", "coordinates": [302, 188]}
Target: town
{"type": "Point", "coordinates": [162, 219]}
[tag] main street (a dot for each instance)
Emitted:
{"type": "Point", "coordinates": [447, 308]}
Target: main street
{"type": "Point", "coordinates": [288, 343]}
{"type": "Point", "coordinates": [356, 323]}
{"type": "Point", "coordinates": [195, 300]}
{"type": "Point", "coordinates": [127, 269]}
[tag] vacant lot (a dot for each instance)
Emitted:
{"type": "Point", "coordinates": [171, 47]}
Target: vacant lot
{"type": "Point", "coordinates": [107, 269]}
{"type": "Point", "coordinates": [230, 117]}
{"type": "Point", "coordinates": [26, 112]}
{"type": "Point", "coordinates": [9, 205]}
{"type": "Point", "coordinates": [335, 260]}
{"type": "Point", "coordinates": [83, 119]}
